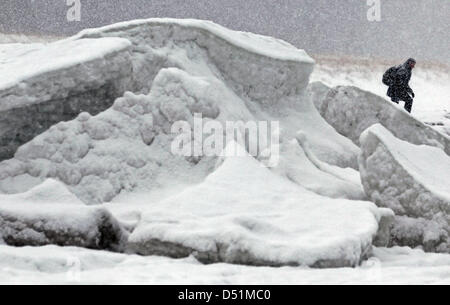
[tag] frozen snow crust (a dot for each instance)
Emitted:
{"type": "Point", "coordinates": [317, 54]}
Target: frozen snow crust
{"type": "Point", "coordinates": [351, 110]}
{"type": "Point", "coordinates": [413, 181]}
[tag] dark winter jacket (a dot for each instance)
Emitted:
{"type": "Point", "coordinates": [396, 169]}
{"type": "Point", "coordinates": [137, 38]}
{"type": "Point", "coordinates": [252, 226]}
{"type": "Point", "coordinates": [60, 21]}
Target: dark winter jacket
{"type": "Point", "coordinates": [400, 77]}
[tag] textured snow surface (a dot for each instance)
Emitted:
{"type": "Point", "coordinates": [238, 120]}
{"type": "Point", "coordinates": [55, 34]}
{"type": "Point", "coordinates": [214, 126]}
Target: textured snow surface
{"type": "Point", "coordinates": [413, 181]}
{"type": "Point", "coordinates": [55, 265]}
{"type": "Point", "coordinates": [243, 213]}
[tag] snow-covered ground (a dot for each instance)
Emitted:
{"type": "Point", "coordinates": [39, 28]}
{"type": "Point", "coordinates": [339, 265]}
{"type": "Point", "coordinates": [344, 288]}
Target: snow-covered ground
{"type": "Point", "coordinates": [56, 265]}
{"type": "Point", "coordinates": [278, 217]}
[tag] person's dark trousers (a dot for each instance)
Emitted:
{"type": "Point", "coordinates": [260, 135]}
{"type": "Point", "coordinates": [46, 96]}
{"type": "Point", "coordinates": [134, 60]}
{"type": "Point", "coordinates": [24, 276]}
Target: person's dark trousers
{"type": "Point", "coordinates": [408, 104]}
{"type": "Point", "coordinates": [408, 101]}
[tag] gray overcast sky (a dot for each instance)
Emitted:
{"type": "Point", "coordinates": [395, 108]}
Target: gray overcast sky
{"type": "Point", "coordinates": [409, 28]}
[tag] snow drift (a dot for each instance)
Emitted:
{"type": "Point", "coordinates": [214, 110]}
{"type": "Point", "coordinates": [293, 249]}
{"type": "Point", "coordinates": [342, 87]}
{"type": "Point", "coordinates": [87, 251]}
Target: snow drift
{"type": "Point", "coordinates": [41, 85]}
{"type": "Point", "coordinates": [245, 214]}
{"type": "Point", "coordinates": [351, 111]}
{"type": "Point", "coordinates": [413, 181]}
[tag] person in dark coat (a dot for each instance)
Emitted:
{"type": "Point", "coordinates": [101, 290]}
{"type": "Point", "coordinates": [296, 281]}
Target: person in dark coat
{"type": "Point", "coordinates": [398, 81]}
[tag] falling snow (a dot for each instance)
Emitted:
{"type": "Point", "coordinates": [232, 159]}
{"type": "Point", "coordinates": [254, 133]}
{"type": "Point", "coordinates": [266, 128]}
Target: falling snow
{"type": "Point", "coordinates": [408, 28]}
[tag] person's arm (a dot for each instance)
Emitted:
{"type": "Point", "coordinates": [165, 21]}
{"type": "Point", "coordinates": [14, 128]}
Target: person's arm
{"type": "Point", "coordinates": [403, 81]}
{"type": "Point", "coordinates": [409, 90]}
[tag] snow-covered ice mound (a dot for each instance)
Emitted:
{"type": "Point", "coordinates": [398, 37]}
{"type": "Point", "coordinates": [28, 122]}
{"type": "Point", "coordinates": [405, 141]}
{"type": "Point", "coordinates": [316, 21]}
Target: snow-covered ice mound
{"type": "Point", "coordinates": [41, 85]}
{"type": "Point", "coordinates": [412, 180]}
{"type": "Point", "coordinates": [125, 147]}
{"type": "Point", "coordinates": [243, 213]}
{"type": "Point", "coordinates": [221, 74]}
{"type": "Point", "coordinates": [27, 224]}
{"type": "Point", "coordinates": [351, 110]}
{"type": "Point", "coordinates": [265, 75]}
{"type": "Point", "coordinates": [158, 43]}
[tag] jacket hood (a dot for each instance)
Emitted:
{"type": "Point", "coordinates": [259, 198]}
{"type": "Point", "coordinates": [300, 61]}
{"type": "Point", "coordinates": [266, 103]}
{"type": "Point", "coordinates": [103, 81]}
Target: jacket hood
{"type": "Point", "coordinates": [410, 60]}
